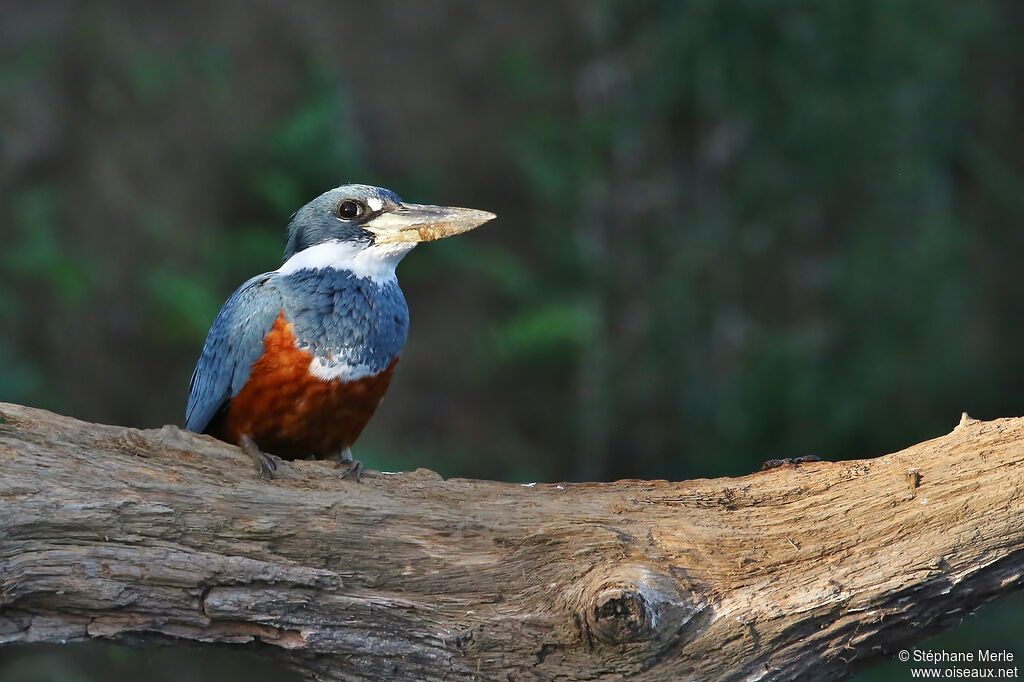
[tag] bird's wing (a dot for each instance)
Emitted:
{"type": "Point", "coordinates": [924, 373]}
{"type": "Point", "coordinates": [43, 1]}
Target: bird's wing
{"type": "Point", "coordinates": [234, 343]}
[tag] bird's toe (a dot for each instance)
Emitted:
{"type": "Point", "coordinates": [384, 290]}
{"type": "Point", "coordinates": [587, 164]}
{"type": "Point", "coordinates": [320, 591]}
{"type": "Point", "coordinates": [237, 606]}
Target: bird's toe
{"type": "Point", "coordinates": [266, 464]}
{"type": "Point", "coordinates": [351, 468]}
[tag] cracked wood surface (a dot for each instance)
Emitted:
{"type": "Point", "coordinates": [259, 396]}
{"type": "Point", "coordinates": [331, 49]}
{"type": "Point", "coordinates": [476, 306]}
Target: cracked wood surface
{"type": "Point", "coordinates": [808, 571]}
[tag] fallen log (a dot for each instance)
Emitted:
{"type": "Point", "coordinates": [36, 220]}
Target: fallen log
{"type": "Point", "coordinates": [801, 571]}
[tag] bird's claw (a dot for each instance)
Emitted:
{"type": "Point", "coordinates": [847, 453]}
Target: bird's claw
{"type": "Point", "coordinates": [266, 465]}
{"type": "Point", "coordinates": [776, 463]}
{"type": "Point", "coordinates": [351, 468]}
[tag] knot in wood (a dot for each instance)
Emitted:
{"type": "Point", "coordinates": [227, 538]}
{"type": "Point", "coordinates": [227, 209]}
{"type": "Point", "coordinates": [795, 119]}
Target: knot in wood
{"type": "Point", "coordinates": [622, 614]}
{"type": "Point", "coordinates": [632, 604]}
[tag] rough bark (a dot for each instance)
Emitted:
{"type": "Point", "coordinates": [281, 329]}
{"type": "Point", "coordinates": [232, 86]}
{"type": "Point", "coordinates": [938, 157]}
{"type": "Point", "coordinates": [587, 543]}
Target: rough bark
{"type": "Point", "coordinates": [801, 571]}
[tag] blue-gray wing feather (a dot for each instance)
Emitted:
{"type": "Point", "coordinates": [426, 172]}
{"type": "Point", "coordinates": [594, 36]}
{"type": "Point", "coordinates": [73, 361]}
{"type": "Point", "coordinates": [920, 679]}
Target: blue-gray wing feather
{"type": "Point", "coordinates": [234, 343]}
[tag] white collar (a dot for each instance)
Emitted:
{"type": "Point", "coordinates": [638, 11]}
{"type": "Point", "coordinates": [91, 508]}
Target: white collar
{"type": "Point", "coordinates": [376, 262]}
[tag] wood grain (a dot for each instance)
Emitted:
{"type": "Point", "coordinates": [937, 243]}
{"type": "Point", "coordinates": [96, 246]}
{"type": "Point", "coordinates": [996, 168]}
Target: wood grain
{"type": "Point", "coordinates": [808, 571]}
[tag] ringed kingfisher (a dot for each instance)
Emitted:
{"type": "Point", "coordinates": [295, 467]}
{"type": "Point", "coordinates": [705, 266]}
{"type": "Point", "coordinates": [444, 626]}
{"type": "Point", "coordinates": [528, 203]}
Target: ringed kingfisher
{"type": "Point", "coordinates": [297, 359]}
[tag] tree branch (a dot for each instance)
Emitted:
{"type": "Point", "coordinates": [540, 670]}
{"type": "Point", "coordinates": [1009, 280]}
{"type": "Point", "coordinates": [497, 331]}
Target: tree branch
{"type": "Point", "coordinates": [142, 535]}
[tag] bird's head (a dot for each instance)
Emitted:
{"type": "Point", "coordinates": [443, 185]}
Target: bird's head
{"type": "Point", "coordinates": [368, 230]}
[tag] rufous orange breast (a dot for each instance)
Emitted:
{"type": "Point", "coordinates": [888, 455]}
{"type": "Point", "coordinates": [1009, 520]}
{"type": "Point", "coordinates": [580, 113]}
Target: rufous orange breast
{"type": "Point", "coordinates": [291, 413]}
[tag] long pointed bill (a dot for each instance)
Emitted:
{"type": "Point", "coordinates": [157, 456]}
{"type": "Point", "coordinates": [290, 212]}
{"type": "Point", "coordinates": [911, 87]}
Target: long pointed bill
{"type": "Point", "coordinates": [423, 223]}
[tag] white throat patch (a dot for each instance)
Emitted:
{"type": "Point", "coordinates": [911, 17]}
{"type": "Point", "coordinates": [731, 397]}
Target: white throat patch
{"type": "Point", "coordinates": [376, 263]}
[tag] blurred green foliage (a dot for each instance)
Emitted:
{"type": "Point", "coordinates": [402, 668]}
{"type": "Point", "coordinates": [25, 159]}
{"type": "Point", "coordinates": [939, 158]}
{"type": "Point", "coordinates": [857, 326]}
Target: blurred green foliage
{"type": "Point", "coordinates": [728, 231]}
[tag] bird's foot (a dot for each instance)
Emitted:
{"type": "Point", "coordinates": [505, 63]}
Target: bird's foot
{"type": "Point", "coordinates": [266, 465]}
{"type": "Point", "coordinates": [776, 463]}
{"type": "Point", "coordinates": [350, 467]}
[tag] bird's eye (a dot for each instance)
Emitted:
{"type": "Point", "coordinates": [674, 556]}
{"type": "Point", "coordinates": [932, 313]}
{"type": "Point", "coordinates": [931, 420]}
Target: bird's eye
{"type": "Point", "coordinates": [348, 209]}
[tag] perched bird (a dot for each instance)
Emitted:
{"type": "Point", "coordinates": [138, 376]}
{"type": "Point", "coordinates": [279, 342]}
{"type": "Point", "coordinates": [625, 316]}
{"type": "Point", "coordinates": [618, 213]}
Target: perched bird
{"type": "Point", "coordinates": [298, 358]}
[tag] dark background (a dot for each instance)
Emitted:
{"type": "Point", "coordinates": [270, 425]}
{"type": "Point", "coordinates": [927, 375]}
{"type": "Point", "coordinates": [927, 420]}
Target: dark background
{"type": "Point", "coordinates": [728, 231]}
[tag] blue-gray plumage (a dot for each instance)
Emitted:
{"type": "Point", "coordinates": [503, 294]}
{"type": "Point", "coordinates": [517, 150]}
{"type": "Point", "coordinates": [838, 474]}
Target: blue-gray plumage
{"type": "Point", "coordinates": [312, 225]}
{"type": "Point", "coordinates": [233, 344]}
{"type": "Point", "coordinates": [342, 319]}
{"type": "Point", "coordinates": [297, 359]}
